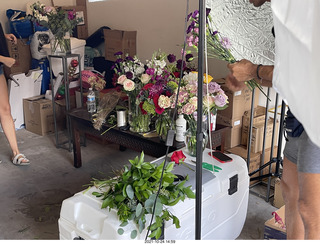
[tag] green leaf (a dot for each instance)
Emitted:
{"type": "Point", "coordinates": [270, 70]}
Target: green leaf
{"type": "Point", "coordinates": [119, 198]}
{"type": "Point", "coordinates": [170, 166]}
{"type": "Point", "coordinates": [158, 233]}
{"type": "Point", "coordinates": [173, 202]}
{"type": "Point", "coordinates": [120, 231]}
{"type": "Point", "coordinates": [130, 191]}
{"type": "Point", "coordinates": [176, 221]}
{"type": "Point", "coordinates": [159, 207]}
{"type": "Point", "coordinates": [189, 192]}
{"type": "Point", "coordinates": [97, 194]}
{"type": "Point", "coordinates": [124, 223]}
{"type": "Point", "coordinates": [139, 210]}
{"type": "Point", "coordinates": [141, 225]}
{"type": "Point", "coordinates": [133, 234]}
{"type": "Point", "coordinates": [106, 202]}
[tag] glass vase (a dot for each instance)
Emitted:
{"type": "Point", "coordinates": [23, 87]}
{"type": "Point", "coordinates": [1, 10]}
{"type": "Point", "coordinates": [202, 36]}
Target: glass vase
{"type": "Point", "coordinates": [162, 125]}
{"type": "Point", "coordinates": [60, 45]}
{"type": "Point", "coordinates": [140, 123]}
{"type": "Point", "coordinates": [191, 139]}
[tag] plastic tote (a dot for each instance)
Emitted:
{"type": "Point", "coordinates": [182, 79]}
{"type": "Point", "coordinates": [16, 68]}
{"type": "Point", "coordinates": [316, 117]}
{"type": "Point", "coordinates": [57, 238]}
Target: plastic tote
{"type": "Point", "coordinates": [224, 207]}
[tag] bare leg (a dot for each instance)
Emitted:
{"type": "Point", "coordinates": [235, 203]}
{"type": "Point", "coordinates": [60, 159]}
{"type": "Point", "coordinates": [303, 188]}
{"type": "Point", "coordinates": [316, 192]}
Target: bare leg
{"type": "Point", "coordinates": [6, 117]}
{"type": "Point", "coordinates": [290, 192]}
{"type": "Point", "coordinates": [309, 202]}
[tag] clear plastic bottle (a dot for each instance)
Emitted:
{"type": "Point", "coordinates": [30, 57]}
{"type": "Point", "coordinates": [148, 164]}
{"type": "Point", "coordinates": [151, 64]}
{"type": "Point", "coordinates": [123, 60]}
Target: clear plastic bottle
{"type": "Point", "coordinates": [91, 101]}
{"type": "Point", "coordinates": [181, 127]}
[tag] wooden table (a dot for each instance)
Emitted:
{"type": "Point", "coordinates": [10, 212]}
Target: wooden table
{"type": "Point", "coordinates": [81, 123]}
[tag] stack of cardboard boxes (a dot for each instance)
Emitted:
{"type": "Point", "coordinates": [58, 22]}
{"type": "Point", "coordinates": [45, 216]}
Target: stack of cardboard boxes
{"type": "Point", "coordinates": [260, 135]}
{"type": "Point", "coordinates": [239, 102]}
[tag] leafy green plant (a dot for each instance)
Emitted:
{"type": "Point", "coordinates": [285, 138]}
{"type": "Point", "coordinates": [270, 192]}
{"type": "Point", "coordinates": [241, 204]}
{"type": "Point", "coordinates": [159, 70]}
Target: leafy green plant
{"type": "Point", "coordinates": [133, 193]}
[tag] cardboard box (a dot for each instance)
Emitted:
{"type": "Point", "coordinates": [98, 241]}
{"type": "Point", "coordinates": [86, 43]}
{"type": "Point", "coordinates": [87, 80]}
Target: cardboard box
{"type": "Point", "coordinates": [239, 101]}
{"type": "Point", "coordinates": [22, 54]}
{"type": "Point", "coordinates": [273, 230]}
{"type": "Point", "coordinates": [119, 40]}
{"type": "Point", "coordinates": [258, 136]}
{"type": "Point", "coordinates": [233, 134]}
{"type": "Point", "coordinates": [278, 201]}
{"type": "Point", "coordinates": [38, 115]}
{"type": "Point", "coordinates": [258, 118]}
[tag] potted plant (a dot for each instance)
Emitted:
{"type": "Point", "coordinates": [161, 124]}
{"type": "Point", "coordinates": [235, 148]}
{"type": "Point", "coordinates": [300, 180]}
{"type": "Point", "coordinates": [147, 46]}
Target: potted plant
{"type": "Point", "coordinates": [134, 191]}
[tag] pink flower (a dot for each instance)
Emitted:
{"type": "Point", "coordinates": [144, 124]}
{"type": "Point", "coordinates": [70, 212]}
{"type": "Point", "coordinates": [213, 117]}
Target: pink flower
{"type": "Point", "coordinates": [194, 101]}
{"type": "Point", "coordinates": [220, 100]}
{"type": "Point", "coordinates": [128, 85]}
{"type": "Point", "coordinates": [121, 79]}
{"type": "Point", "coordinates": [48, 9]}
{"type": "Point", "coordinates": [188, 109]}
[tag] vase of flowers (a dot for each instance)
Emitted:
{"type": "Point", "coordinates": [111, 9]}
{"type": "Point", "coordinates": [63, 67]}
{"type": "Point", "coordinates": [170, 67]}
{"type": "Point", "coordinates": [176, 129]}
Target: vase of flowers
{"type": "Point", "coordinates": [60, 23]}
{"type": "Point", "coordinates": [163, 124]}
{"type": "Point", "coordinates": [214, 98]}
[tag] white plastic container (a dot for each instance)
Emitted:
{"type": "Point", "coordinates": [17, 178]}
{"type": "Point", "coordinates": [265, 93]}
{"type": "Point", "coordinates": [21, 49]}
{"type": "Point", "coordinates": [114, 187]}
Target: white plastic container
{"type": "Point", "coordinates": [224, 207]}
{"type": "Point", "coordinates": [77, 47]}
{"type": "Point", "coordinates": [181, 127]}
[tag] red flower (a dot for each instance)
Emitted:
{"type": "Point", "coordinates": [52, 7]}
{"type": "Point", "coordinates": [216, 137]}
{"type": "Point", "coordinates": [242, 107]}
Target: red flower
{"type": "Point", "coordinates": [177, 156]}
{"type": "Point", "coordinates": [147, 86]}
{"type": "Point", "coordinates": [157, 107]}
{"type": "Point", "coordinates": [142, 110]}
{"type": "Point", "coordinates": [176, 74]}
{"type": "Point", "coordinates": [74, 63]}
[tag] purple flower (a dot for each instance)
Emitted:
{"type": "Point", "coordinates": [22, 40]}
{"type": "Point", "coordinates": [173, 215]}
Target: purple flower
{"type": "Point", "coordinates": [220, 100]}
{"type": "Point", "coordinates": [155, 89]}
{"type": "Point", "coordinates": [129, 75]}
{"type": "Point", "coordinates": [188, 17]}
{"type": "Point", "coordinates": [226, 42]}
{"type": "Point", "coordinates": [195, 14]}
{"type": "Point", "coordinates": [189, 57]}
{"type": "Point", "coordinates": [119, 60]}
{"type": "Point", "coordinates": [213, 87]}
{"type": "Point", "coordinates": [150, 71]}
{"type": "Point", "coordinates": [129, 58]}
{"type": "Point", "coordinates": [171, 58]}
{"type": "Point", "coordinates": [214, 33]}
{"type": "Point", "coordinates": [118, 53]}
{"type": "Point", "coordinates": [180, 65]}
{"type": "Point", "coordinates": [208, 10]}
{"type": "Point", "coordinates": [71, 15]}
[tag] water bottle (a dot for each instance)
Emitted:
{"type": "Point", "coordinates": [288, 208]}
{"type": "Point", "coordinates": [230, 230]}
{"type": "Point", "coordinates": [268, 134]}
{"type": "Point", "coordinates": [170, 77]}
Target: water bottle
{"type": "Point", "coordinates": [91, 101]}
{"type": "Point", "coordinates": [181, 127]}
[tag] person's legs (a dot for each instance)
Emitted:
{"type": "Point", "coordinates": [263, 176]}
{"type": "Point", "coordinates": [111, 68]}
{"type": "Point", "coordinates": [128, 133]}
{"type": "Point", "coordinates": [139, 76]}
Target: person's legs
{"type": "Point", "coordinates": [309, 204]}
{"type": "Point", "coordinates": [6, 117]}
{"type": "Point", "coordinates": [290, 193]}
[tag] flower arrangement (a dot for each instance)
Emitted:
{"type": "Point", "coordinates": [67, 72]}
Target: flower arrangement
{"type": "Point", "coordinates": [133, 194]}
{"type": "Point", "coordinates": [59, 21]}
{"type": "Point", "coordinates": [214, 98]}
{"type": "Point", "coordinates": [149, 86]}
{"type": "Point", "coordinates": [218, 46]}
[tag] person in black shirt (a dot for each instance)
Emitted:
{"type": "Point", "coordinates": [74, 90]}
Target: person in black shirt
{"type": "Point", "coordinates": [5, 110]}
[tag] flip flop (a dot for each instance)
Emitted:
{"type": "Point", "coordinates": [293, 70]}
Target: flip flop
{"type": "Point", "coordinates": [20, 159]}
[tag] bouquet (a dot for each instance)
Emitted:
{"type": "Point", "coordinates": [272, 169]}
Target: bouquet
{"type": "Point", "coordinates": [218, 46]}
{"type": "Point", "coordinates": [59, 21]}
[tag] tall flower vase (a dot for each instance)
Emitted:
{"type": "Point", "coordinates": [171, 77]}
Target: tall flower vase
{"type": "Point", "coordinates": [138, 122]}
{"type": "Point", "coordinates": [191, 138]}
{"type": "Point", "coordinates": [163, 124]}
{"type": "Point", "coordinates": [61, 45]}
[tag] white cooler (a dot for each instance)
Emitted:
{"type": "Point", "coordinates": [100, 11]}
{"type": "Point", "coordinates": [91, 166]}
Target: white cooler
{"type": "Point", "coordinates": [77, 47]}
{"type": "Point", "coordinates": [224, 196]}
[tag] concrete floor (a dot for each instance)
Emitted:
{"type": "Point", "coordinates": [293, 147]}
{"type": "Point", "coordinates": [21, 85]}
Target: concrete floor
{"type": "Point", "coordinates": [31, 196]}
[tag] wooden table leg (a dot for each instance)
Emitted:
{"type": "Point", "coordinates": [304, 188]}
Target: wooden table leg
{"type": "Point", "coordinates": [76, 147]}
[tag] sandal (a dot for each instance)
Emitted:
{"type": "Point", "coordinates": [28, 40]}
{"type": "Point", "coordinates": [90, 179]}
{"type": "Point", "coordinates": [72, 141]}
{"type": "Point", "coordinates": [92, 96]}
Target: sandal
{"type": "Point", "coordinates": [20, 159]}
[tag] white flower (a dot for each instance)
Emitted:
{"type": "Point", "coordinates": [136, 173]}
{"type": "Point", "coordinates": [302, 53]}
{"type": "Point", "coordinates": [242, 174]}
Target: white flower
{"type": "Point", "coordinates": [121, 79]}
{"type": "Point", "coordinates": [128, 85]}
{"type": "Point", "coordinates": [145, 78]}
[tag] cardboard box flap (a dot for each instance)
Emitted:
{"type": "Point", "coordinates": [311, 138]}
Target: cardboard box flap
{"type": "Point", "coordinates": [35, 98]}
{"type": "Point", "coordinates": [273, 224]}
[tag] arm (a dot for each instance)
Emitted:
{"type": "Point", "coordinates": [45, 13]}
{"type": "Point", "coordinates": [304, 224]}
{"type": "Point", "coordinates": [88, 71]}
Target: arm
{"type": "Point", "coordinates": [7, 61]}
{"type": "Point", "coordinates": [245, 70]}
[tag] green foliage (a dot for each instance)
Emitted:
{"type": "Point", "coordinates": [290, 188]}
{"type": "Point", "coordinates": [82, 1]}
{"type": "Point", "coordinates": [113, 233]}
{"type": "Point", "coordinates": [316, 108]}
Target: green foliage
{"type": "Point", "coordinates": [133, 194]}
